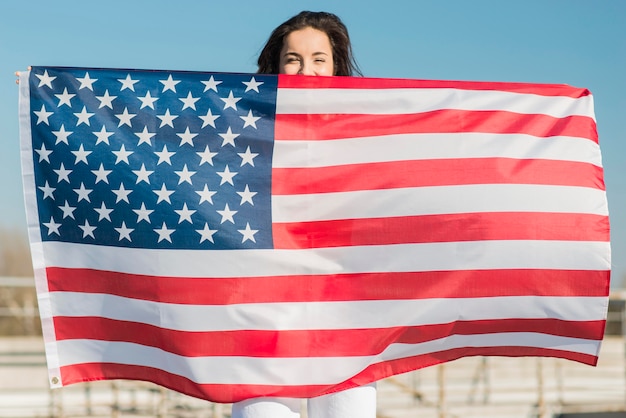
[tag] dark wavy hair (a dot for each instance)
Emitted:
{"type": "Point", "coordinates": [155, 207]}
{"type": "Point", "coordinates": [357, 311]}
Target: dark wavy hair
{"type": "Point", "coordinates": [345, 63]}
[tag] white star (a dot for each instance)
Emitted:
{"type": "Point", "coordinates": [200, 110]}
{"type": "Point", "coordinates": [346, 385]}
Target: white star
{"type": "Point", "coordinates": [143, 214]}
{"type": "Point", "coordinates": [143, 174]}
{"type": "Point", "coordinates": [185, 175]}
{"type": "Point", "coordinates": [185, 214]}
{"type": "Point", "coordinates": [81, 155]}
{"type": "Point", "coordinates": [86, 82]}
{"type": "Point", "coordinates": [102, 174]}
{"type": "Point", "coordinates": [230, 101]}
{"type": "Point", "coordinates": [227, 176]}
{"type": "Point", "coordinates": [65, 98]}
{"type": "Point", "coordinates": [124, 231]}
{"type": "Point", "coordinates": [164, 155]}
{"type": "Point", "coordinates": [206, 195]}
{"type": "Point", "coordinates": [122, 155]}
{"type": "Point", "coordinates": [83, 193]}
{"type": "Point", "coordinates": [248, 234]}
{"type": "Point", "coordinates": [164, 233]}
{"type": "Point", "coordinates": [211, 84]}
{"type": "Point", "coordinates": [83, 117]}
{"type": "Point", "coordinates": [227, 214]}
{"type": "Point", "coordinates": [147, 100]}
{"type": "Point", "coordinates": [250, 120]}
{"type": "Point", "coordinates": [64, 175]}
{"type": "Point", "coordinates": [206, 234]}
{"type": "Point", "coordinates": [44, 153]}
{"type": "Point", "coordinates": [125, 118]}
{"type": "Point", "coordinates": [103, 136]}
{"type": "Point", "coordinates": [209, 119]}
{"type": "Point", "coordinates": [42, 115]}
{"type": "Point", "coordinates": [47, 190]}
{"type": "Point", "coordinates": [106, 100]}
{"type": "Point", "coordinates": [62, 135]}
{"type": "Point", "coordinates": [186, 137]}
{"type": "Point", "coordinates": [127, 83]}
{"type": "Point", "coordinates": [145, 136]}
{"type": "Point", "coordinates": [167, 119]}
{"type": "Point", "coordinates": [122, 194]}
{"type": "Point", "coordinates": [228, 137]}
{"type": "Point", "coordinates": [67, 210]}
{"type": "Point", "coordinates": [103, 212]}
{"type": "Point", "coordinates": [252, 85]}
{"type": "Point", "coordinates": [169, 84]}
{"type": "Point", "coordinates": [87, 229]}
{"type": "Point", "coordinates": [206, 156]}
{"type": "Point", "coordinates": [246, 196]}
{"type": "Point", "coordinates": [189, 102]}
{"type": "Point", "coordinates": [52, 226]}
{"type": "Point", "coordinates": [45, 79]}
{"type": "Point", "coordinates": [164, 194]}
{"type": "Point", "coordinates": [247, 157]}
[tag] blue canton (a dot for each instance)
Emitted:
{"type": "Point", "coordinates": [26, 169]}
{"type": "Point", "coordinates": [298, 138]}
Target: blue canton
{"type": "Point", "coordinates": [153, 159]}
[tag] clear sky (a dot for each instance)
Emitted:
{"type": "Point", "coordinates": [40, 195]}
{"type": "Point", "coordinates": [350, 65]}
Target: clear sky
{"type": "Point", "coordinates": [576, 42]}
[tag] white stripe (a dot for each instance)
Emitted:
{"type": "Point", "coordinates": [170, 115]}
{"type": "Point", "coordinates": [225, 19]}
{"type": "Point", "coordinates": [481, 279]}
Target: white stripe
{"type": "Point", "coordinates": [295, 371]}
{"type": "Point", "coordinates": [445, 256]}
{"type": "Point", "coordinates": [327, 315]}
{"type": "Point", "coordinates": [297, 154]}
{"type": "Point", "coordinates": [517, 339]}
{"type": "Point", "coordinates": [406, 101]}
{"type": "Point", "coordinates": [438, 200]}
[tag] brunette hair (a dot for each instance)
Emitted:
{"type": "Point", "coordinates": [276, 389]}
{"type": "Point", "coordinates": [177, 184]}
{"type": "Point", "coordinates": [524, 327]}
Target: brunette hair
{"type": "Point", "coordinates": [345, 63]}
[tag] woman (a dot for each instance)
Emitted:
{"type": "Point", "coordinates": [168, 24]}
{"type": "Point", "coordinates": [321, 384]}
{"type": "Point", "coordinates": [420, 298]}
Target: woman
{"type": "Point", "coordinates": [316, 44]}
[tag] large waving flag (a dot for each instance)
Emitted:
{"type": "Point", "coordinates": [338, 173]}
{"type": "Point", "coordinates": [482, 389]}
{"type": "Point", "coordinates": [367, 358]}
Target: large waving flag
{"type": "Point", "coordinates": [240, 235]}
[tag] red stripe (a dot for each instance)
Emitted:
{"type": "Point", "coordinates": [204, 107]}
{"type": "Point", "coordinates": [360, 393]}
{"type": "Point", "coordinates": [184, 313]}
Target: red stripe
{"type": "Point", "coordinates": [323, 127]}
{"type": "Point", "coordinates": [221, 393]}
{"type": "Point", "coordinates": [341, 287]}
{"type": "Point", "coordinates": [442, 228]}
{"type": "Point", "coordinates": [287, 81]}
{"type": "Point", "coordinates": [305, 343]}
{"type": "Point", "coordinates": [233, 393]}
{"type": "Point", "coordinates": [419, 173]}
{"type": "Point", "coordinates": [394, 367]}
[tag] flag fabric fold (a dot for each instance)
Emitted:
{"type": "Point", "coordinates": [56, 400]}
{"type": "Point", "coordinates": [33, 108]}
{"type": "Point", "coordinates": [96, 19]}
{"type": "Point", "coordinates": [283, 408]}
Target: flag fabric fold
{"type": "Point", "coordinates": [232, 236]}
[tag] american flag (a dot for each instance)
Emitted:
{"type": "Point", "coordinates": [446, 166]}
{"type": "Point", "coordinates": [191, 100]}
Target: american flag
{"type": "Point", "coordinates": [232, 236]}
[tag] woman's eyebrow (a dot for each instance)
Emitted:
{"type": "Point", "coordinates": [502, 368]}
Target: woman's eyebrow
{"type": "Point", "coordinates": [300, 56]}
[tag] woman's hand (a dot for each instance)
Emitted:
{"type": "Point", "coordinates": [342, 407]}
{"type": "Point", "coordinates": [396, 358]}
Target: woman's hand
{"type": "Point", "coordinates": [17, 74]}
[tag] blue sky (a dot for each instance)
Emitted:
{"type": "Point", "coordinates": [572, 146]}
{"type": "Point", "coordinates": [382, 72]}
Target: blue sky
{"type": "Point", "coordinates": [576, 42]}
